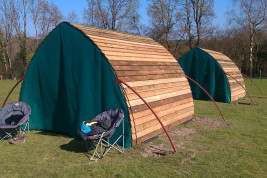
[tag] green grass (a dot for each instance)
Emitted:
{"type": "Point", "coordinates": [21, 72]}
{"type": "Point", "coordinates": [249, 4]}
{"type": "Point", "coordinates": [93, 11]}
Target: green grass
{"type": "Point", "coordinates": [5, 87]}
{"type": "Point", "coordinates": [235, 149]}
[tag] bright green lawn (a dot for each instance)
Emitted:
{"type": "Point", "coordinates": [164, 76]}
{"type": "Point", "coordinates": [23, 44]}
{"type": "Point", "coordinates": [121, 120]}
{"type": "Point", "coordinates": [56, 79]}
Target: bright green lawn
{"type": "Point", "coordinates": [235, 149]}
{"type": "Point", "coordinates": [5, 87]}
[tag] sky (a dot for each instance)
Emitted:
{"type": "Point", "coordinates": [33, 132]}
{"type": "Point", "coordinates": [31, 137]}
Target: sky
{"type": "Point", "coordinates": [67, 6]}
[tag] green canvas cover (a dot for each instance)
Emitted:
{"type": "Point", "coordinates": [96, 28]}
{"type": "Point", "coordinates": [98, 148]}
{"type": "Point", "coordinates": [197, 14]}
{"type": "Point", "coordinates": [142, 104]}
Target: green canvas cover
{"type": "Point", "coordinates": [69, 80]}
{"type": "Point", "coordinates": [205, 70]}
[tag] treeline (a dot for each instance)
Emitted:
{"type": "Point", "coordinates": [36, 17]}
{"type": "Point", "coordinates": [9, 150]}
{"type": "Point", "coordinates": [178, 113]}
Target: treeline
{"type": "Point", "coordinates": [179, 25]}
{"type": "Point", "coordinates": [17, 47]}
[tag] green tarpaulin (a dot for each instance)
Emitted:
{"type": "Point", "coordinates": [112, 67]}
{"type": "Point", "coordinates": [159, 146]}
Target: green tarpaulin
{"type": "Point", "coordinates": [205, 70]}
{"type": "Point", "coordinates": [68, 81]}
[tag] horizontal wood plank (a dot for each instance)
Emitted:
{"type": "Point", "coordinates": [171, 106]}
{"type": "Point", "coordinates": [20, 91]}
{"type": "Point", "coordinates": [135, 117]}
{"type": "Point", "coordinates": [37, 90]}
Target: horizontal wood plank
{"type": "Point", "coordinates": [154, 123]}
{"type": "Point", "coordinates": [162, 102]}
{"type": "Point", "coordinates": [158, 97]}
{"type": "Point", "coordinates": [147, 72]}
{"type": "Point", "coordinates": [141, 120]}
{"type": "Point", "coordinates": [157, 109]}
{"type": "Point", "coordinates": [157, 132]}
{"type": "Point", "coordinates": [158, 126]}
{"type": "Point", "coordinates": [137, 68]}
{"type": "Point", "coordinates": [156, 81]}
{"type": "Point", "coordinates": [150, 93]}
{"type": "Point", "coordinates": [149, 77]}
{"type": "Point", "coordinates": [131, 58]}
{"type": "Point", "coordinates": [178, 85]}
{"type": "Point", "coordinates": [143, 63]}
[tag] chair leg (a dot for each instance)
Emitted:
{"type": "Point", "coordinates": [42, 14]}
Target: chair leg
{"type": "Point", "coordinates": [114, 145]}
{"type": "Point", "coordinates": [7, 133]}
{"type": "Point", "coordinates": [89, 147]}
{"type": "Point", "coordinates": [24, 128]}
{"type": "Point", "coordinates": [105, 143]}
{"type": "Point", "coordinates": [123, 135]}
{"type": "Point", "coordinates": [96, 153]}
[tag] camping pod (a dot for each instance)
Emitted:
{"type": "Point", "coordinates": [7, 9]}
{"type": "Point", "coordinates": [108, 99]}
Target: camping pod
{"type": "Point", "coordinates": [71, 78]}
{"type": "Point", "coordinates": [215, 72]}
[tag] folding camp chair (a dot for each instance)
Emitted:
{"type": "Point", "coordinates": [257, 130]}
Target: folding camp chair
{"type": "Point", "coordinates": [14, 117]}
{"type": "Point", "coordinates": [113, 117]}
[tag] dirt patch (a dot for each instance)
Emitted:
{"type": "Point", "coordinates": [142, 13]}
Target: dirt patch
{"type": "Point", "coordinates": [160, 150]}
{"type": "Point", "coordinates": [163, 149]}
{"type": "Point", "coordinates": [209, 122]}
{"type": "Point", "coordinates": [156, 151]}
{"type": "Point", "coordinates": [183, 132]}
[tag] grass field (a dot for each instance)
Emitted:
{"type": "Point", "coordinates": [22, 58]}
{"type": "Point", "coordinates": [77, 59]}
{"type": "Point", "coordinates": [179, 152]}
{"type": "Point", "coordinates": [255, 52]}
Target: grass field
{"type": "Point", "coordinates": [207, 147]}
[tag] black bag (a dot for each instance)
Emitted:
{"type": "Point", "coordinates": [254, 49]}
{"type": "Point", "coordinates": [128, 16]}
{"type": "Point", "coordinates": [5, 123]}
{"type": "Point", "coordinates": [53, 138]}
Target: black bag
{"type": "Point", "coordinates": [13, 119]}
{"type": "Point", "coordinates": [100, 127]}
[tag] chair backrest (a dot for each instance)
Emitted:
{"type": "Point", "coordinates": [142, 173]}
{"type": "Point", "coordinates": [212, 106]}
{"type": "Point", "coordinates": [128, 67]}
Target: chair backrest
{"type": "Point", "coordinates": [113, 117]}
{"type": "Point", "coordinates": [15, 108]}
{"type": "Point", "coordinates": [117, 117]}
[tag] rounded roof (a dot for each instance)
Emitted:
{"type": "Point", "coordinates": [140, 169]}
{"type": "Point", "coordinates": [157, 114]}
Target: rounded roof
{"type": "Point", "coordinates": [68, 81]}
{"type": "Point", "coordinates": [217, 73]}
{"type": "Point", "coordinates": [234, 75]}
{"type": "Point", "coordinates": [120, 46]}
{"type": "Point", "coordinates": [71, 78]}
{"type": "Point", "coordinates": [153, 72]}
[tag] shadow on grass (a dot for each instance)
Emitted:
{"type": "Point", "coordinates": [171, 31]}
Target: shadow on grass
{"type": "Point", "coordinates": [44, 132]}
{"type": "Point", "coordinates": [5, 134]}
{"type": "Point", "coordinates": [75, 145]}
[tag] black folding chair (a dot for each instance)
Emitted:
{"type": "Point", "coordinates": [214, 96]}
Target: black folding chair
{"type": "Point", "coordinates": [14, 117]}
{"type": "Point", "coordinates": [111, 119]}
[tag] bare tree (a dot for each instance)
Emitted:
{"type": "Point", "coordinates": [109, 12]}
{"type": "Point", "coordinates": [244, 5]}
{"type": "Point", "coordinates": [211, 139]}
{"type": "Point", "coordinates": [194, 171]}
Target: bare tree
{"type": "Point", "coordinates": [188, 22]}
{"type": "Point", "coordinates": [202, 12]}
{"type": "Point", "coordinates": [132, 24]}
{"type": "Point", "coordinates": [72, 17]}
{"type": "Point", "coordinates": [111, 14]}
{"type": "Point", "coordinates": [252, 16]}
{"type": "Point", "coordinates": [13, 26]}
{"type": "Point", "coordinates": [9, 15]}
{"type": "Point", "coordinates": [21, 31]}
{"type": "Point", "coordinates": [180, 22]}
{"type": "Point", "coordinates": [45, 16]}
{"type": "Point", "coordinates": [165, 22]}
{"type": "Point", "coordinates": [3, 60]}
{"type": "Point", "coordinates": [34, 13]}
{"type": "Point", "coordinates": [13, 44]}
{"type": "Point", "coordinates": [196, 20]}
{"type": "Point", "coordinates": [90, 14]}
{"type": "Point", "coordinates": [255, 12]}
{"type": "Point", "coordinates": [49, 18]}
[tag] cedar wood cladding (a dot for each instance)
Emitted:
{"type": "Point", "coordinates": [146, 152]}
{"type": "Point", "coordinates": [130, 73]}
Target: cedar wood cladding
{"type": "Point", "coordinates": [153, 72]}
{"type": "Point", "coordinates": [230, 67]}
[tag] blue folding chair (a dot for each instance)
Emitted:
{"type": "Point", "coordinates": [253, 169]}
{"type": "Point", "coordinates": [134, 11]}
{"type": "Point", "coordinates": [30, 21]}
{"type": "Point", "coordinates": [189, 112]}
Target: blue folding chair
{"type": "Point", "coordinates": [106, 124]}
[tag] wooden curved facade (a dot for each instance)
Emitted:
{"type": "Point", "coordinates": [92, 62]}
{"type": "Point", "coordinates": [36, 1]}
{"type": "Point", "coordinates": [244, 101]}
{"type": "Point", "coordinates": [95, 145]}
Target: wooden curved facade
{"type": "Point", "coordinates": [153, 72]}
{"type": "Point", "coordinates": [234, 78]}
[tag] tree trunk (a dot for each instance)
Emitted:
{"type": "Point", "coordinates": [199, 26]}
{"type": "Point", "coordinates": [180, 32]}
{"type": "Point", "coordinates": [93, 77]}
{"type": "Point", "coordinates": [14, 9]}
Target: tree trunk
{"type": "Point", "coordinates": [24, 42]}
{"type": "Point", "coordinates": [3, 54]}
{"type": "Point", "coordinates": [251, 54]}
{"type": "Point", "coordinates": [198, 34]}
{"type": "Point", "coordinates": [188, 24]}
